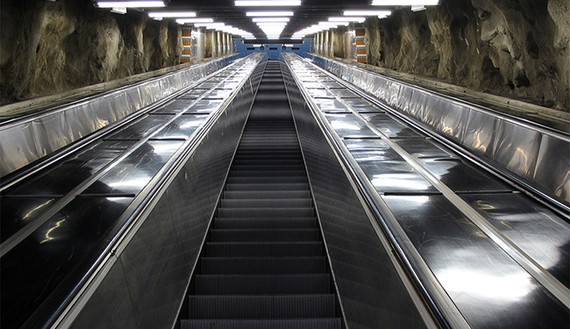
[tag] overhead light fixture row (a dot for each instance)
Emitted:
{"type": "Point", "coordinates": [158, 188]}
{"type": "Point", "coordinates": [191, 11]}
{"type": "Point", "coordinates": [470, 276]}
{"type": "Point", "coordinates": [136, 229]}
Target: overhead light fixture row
{"type": "Point", "coordinates": [379, 13]}
{"type": "Point", "coordinates": [270, 19]}
{"type": "Point", "coordinates": [347, 18]}
{"type": "Point", "coordinates": [269, 13]}
{"type": "Point", "coordinates": [194, 20]}
{"type": "Point", "coordinates": [267, 3]}
{"type": "Point", "coordinates": [130, 4]}
{"type": "Point", "coordinates": [405, 2]}
{"type": "Point", "coordinates": [173, 14]}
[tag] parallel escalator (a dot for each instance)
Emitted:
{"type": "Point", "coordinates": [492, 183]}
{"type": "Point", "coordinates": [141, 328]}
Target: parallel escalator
{"type": "Point", "coordinates": [264, 263]}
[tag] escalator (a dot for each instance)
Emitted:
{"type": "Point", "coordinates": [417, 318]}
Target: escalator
{"type": "Point", "coordinates": [264, 262]}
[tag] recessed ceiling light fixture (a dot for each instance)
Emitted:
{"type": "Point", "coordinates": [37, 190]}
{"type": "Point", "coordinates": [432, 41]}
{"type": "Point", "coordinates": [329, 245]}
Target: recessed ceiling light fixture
{"type": "Point", "coordinates": [269, 13]}
{"type": "Point", "coordinates": [347, 18]}
{"type": "Point", "coordinates": [194, 20]}
{"type": "Point", "coordinates": [130, 4]}
{"type": "Point", "coordinates": [173, 14]}
{"type": "Point", "coordinates": [270, 19]}
{"type": "Point", "coordinates": [405, 2]}
{"type": "Point", "coordinates": [267, 3]}
{"type": "Point", "coordinates": [367, 13]}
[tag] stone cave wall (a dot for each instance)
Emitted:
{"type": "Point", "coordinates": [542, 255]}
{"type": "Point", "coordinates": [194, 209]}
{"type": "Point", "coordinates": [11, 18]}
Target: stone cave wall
{"type": "Point", "coordinates": [50, 47]}
{"type": "Point", "coordinates": [515, 48]}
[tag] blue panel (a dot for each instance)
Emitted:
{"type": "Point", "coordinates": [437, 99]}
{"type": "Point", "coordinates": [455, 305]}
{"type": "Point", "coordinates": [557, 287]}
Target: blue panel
{"type": "Point", "coordinates": [273, 51]}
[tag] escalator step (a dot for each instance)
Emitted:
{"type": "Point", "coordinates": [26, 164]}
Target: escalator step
{"type": "Point", "coordinates": [270, 172]}
{"type": "Point", "coordinates": [263, 265]}
{"type": "Point", "coordinates": [264, 249]}
{"type": "Point", "coordinates": [267, 223]}
{"type": "Point", "coordinates": [266, 180]}
{"type": "Point", "coordinates": [266, 203]}
{"type": "Point", "coordinates": [268, 187]}
{"type": "Point", "coordinates": [261, 307]}
{"type": "Point", "coordinates": [263, 284]}
{"type": "Point", "coordinates": [331, 323]}
{"type": "Point", "coordinates": [266, 194]}
{"type": "Point", "coordinates": [257, 235]}
{"type": "Point", "coordinates": [266, 212]}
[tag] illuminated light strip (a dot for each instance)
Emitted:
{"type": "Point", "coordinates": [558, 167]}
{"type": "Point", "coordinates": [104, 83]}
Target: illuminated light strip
{"type": "Point", "coordinates": [168, 14]}
{"type": "Point", "coordinates": [367, 13]}
{"type": "Point", "coordinates": [270, 19]}
{"type": "Point", "coordinates": [268, 13]}
{"type": "Point", "coordinates": [405, 2]}
{"type": "Point", "coordinates": [265, 3]}
{"type": "Point", "coordinates": [130, 4]}
{"type": "Point", "coordinates": [194, 20]}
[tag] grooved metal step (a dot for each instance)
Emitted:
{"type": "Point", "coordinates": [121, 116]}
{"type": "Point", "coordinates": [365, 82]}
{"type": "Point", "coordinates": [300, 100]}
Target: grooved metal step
{"type": "Point", "coordinates": [263, 265]}
{"type": "Point", "coordinates": [333, 323]}
{"type": "Point", "coordinates": [243, 223]}
{"type": "Point", "coordinates": [259, 235]}
{"type": "Point", "coordinates": [263, 284]}
{"type": "Point", "coordinates": [264, 249]}
{"type": "Point", "coordinates": [261, 307]}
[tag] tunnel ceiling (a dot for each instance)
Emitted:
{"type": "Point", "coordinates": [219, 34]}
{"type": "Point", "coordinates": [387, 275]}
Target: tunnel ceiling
{"type": "Point", "coordinates": [310, 12]}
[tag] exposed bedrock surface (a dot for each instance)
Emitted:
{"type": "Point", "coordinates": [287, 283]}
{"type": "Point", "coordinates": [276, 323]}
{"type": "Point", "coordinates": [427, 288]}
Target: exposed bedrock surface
{"type": "Point", "coordinates": [509, 47]}
{"type": "Point", "coordinates": [50, 47]}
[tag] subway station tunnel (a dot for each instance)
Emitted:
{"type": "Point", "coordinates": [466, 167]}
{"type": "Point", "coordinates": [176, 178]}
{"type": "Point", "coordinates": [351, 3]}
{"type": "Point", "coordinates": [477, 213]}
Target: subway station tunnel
{"type": "Point", "coordinates": [285, 164]}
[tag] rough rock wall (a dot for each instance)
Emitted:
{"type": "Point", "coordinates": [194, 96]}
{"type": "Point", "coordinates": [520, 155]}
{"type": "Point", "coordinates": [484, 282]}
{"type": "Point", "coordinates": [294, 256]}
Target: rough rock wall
{"type": "Point", "coordinates": [50, 47]}
{"type": "Point", "coordinates": [517, 48]}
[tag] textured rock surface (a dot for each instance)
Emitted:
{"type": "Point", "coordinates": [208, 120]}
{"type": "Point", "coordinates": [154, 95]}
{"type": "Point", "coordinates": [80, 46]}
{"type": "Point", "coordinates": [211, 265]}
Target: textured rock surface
{"type": "Point", "coordinates": [508, 47]}
{"type": "Point", "coordinates": [50, 47]}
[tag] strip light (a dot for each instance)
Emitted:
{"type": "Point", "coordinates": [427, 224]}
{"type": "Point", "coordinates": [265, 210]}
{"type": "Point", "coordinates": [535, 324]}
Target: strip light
{"type": "Point", "coordinates": [166, 14]}
{"type": "Point", "coordinates": [267, 3]}
{"type": "Point", "coordinates": [194, 20]}
{"type": "Point", "coordinates": [270, 19]}
{"type": "Point", "coordinates": [347, 18]}
{"type": "Point", "coordinates": [130, 4]}
{"type": "Point", "coordinates": [268, 13]}
{"type": "Point", "coordinates": [367, 13]}
{"type": "Point", "coordinates": [405, 2]}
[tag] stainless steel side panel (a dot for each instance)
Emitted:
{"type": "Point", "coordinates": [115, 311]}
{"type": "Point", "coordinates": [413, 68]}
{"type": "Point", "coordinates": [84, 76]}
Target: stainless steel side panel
{"type": "Point", "coordinates": [370, 289]}
{"type": "Point", "coordinates": [516, 147]}
{"type": "Point", "coordinates": [157, 262]}
{"type": "Point", "coordinates": [30, 139]}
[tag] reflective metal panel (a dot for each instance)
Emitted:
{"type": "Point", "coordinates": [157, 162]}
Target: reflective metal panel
{"type": "Point", "coordinates": [141, 128]}
{"type": "Point", "coordinates": [62, 177]}
{"type": "Point", "coordinates": [364, 144]}
{"type": "Point", "coordinates": [489, 288]}
{"type": "Point", "coordinates": [462, 178]}
{"type": "Point", "coordinates": [370, 290]}
{"type": "Point", "coordinates": [361, 105]}
{"type": "Point", "coordinates": [194, 93]}
{"type": "Point", "coordinates": [182, 127]}
{"type": "Point", "coordinates": [535, 229]}
{"type": "Point", "coordinates": [423, 148]}
{"type": "Point", "coordinates": [480, 133]}
{"type": "Point", "coordinates": [390, 126]}
{"type": "Point", "coordinates": [349, 125]}
{"type": "Point", "coordinates": [219, 93]}
{"type": "Point", "coordinates": [330, 105]}
{"type": "Point", "coordinates": [320, 93]}
{"type": "Point", "coordinates": [516, 148]}
{"type": "Point", "coordinates": [41, 135]}
{"type": "Point", "coordinates": [115, 296]}
{"type": "Point", "coordinates": [133, 173]}
{"type": "Point", "coordinates": [48, 263]}
{"type": "Point", "coordinates": [17, 212]}
{"type": "Point", "coordinates": [344, 93]}
{"type": "Point", "coordinates": [205, 106]}
{"type": "Point", "coordinates": [553, 169]}
{"type": "Point", "coordinates": [176, 106]}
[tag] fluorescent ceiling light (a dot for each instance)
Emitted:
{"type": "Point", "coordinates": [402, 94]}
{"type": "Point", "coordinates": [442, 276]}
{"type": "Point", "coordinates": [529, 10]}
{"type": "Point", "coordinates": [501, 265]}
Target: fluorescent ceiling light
{"type": "Point", "coordinates": [119, 10]}
{"type": "Point", "coordinates": [405, 2]}
{"type": "Point", "coordinates": [130, 4]}
{"type": "Point", "coordinates": [367, 13]}
{"type": "Point", "coordinates": [267, 3]}
{"type": "Point", "coordinates": [347, 18]}
{"type": "Point", "coordinates": [418, 8]}
{"type": "Point", "coordinates": [194, 20]}
{"type": "Point", "coordinates": [172, 14]}
{"type": "Point", "coordinates": [268, 13]}
{"type": "Point", "coordinates": [270, 19]}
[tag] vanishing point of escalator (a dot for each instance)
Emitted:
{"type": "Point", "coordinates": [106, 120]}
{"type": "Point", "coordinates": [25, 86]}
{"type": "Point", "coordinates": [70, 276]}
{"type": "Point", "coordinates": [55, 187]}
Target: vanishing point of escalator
{"type": "Point", "coordinates": [264, 263]}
